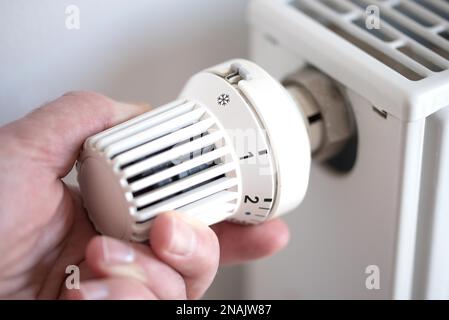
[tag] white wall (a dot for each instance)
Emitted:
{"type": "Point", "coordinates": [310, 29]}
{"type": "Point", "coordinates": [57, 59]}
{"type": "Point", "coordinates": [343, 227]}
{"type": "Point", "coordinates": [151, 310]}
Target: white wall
{"type": "Point", "coordinates": [140, 50]}
{"type": "Point", "coordinates": [137, 51]}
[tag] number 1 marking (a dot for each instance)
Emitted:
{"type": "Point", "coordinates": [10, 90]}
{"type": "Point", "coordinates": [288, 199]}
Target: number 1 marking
{"type": "Point", "coordinates": [250, 155]}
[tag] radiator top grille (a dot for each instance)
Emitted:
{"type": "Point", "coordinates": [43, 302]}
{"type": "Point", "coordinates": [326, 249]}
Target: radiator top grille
{"type": "Point", "coordinates": [412, 36]}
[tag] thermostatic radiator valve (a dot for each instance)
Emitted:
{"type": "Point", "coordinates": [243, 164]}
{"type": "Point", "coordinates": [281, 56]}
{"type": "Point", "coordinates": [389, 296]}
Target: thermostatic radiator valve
{"type": "Point", "coordinates": [234, 146]}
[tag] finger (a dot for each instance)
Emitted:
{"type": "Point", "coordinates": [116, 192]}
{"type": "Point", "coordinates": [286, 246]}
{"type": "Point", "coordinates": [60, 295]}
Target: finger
{"type": "Point", "coordinates": [240, 243]}
{"type": "Point", "coordinates": [188, 246]}
{"type": "Point", "coordinates": [110, 289]}
{"type": "Point", "coordinates": [55, 132]}
{"type": "Point", "coordinates": [108, 257]}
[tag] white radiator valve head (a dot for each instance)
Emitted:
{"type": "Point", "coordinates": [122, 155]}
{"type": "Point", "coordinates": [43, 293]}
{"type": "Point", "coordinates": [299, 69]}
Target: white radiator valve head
{"type": "Point", "coordinates": [234, 146]}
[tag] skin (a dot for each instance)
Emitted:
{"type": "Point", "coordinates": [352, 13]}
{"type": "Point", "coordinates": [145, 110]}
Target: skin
{"type": "Point", "coordinates": [44, 227]}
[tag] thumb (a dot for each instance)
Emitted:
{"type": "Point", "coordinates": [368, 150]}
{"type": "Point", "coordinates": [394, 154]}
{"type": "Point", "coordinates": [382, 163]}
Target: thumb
{"type": "Point", "coordinates": [53, 134]}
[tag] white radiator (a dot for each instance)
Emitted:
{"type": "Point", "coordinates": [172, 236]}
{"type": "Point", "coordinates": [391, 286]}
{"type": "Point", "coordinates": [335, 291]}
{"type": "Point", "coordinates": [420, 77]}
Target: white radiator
{"type": "Point", "coordinates": [385, 206]}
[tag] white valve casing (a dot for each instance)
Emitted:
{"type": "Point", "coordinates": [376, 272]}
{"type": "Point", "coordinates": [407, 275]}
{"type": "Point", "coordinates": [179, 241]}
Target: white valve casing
{"type": "Point", "coordinates": [234, 146]}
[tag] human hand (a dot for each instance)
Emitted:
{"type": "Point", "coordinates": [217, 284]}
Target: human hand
{"type": "Point", "coordinates": [44, 227]}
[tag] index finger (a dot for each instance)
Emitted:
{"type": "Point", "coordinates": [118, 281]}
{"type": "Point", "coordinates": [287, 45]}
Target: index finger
{"type": "Point", "coordinates": [239, 243]}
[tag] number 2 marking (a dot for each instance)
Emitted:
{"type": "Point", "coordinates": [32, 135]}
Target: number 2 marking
{"type": "Point", "coordinates": [248, 199]}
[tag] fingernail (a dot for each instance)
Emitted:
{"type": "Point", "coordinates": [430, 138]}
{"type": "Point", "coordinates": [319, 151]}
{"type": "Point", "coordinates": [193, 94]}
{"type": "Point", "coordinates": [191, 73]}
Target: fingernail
{"type": "Point", "coordinates": [94, 291]}
{"type": "Point", "coordinates": [119, 258]}
{"type": "Point", "coordinates": [127, 110]}
{"type": "Point", "coordinates": [117, 252]}
{"type": "Point", "coordinates": [128, 271]}
{"type": "Point", "coordinates": [183, 237]}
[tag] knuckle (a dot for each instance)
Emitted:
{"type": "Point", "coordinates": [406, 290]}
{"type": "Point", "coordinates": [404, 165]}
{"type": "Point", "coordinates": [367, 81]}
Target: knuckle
{"type": "Point", "coordinates": [175, 286]}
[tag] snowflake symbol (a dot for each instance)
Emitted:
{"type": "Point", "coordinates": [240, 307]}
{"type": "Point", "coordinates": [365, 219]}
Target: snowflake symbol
{"type": "Point", "coordinates": [223, 99]}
